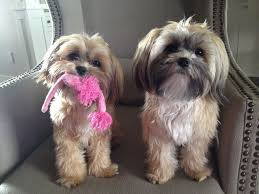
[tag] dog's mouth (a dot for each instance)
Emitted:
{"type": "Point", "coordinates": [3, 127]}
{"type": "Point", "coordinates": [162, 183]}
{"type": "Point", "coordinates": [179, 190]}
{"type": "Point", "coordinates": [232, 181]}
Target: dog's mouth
{"type": "Point", "coordinates": [80, 74]}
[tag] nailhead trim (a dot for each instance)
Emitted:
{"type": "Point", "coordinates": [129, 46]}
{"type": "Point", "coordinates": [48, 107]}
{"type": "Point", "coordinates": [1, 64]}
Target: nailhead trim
{"type": "Point", "coordinates": [255, 170]}
{"type": "Point", "coordinates": [245, 153]}
{"type": "Point", "coordinates": [249, 125]}
{"type": "Point", "coordinates": [250, 110]}
{"type": "Point", "coordinates": [250, 117]}
{"type": "Point", "coordinates": [247, 132]}
{"type": "Point", "coordinates": [246, 145]}
{"type": "Point", "coordinates": [243, 173]}
{"type": "Point", "coordinates": [241, 188]}
{"type": "Point", "coordinates": [244, 185]}
{"type": "Point", "coordinates": [243, 167]}
{"type": "Point", "coordinates": [246, 138]}
{"type": "Point", "coordinates": [245, 160]}
{"type": "Point", "coordinates": [255, 162]}
{"type": "Point", "coordinates": [253, 184]}
{"type": "Point", "coordinates": [251, 104]}
{"type": "Point", "coordinates": [256, 154]}
{"type": "Point", "coordinates": [254, 177]}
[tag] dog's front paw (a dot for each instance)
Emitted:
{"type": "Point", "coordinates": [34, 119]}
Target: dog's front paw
{"type": "Point", "coordinates": [70, 182]}
{"type": "Point", "coordinates": [200, 175]}
{"type": "Point", "coordinates": [158, 177]}
{"type": "Point", "coordinates": [110, 171]}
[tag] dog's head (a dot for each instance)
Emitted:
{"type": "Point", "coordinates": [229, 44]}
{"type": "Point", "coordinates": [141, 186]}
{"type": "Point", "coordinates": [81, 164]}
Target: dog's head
{"type": "Point", "coordinates": [181, 61]}
{"type": "Point", "coordinates": [81, 55]}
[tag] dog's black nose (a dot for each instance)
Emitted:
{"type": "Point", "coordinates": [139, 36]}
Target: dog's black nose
{"type": "Point", "coordinates": [81, 70]}
{"type": "Point", "coordinates": [183, 62]}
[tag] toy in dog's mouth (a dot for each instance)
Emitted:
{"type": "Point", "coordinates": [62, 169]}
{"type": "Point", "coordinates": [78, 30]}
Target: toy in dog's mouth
{"type": "Point", "coordinates": [87, 91]}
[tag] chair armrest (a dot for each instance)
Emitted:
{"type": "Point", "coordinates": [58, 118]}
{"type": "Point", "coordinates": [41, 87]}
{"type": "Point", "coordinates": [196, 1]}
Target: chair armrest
{"type": "Point", "coordinates": [238, 150]}
{"type": "Point", "coordinates": [22, 125]}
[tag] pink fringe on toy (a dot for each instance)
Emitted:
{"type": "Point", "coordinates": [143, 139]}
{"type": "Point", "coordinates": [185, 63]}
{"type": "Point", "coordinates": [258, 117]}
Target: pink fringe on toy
{"type": "Point", "coordinates": [100, 120]}
{"type": "Point", "coordinates": [87, 91]}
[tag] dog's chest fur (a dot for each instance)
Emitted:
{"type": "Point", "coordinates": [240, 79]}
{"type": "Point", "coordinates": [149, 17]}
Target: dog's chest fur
{"type": "Point", "coordinates": [178, 120]}
{"type": "Point", "coordinates": [66, 113]}
{"type": "Point", "coordinates": [174, 117]}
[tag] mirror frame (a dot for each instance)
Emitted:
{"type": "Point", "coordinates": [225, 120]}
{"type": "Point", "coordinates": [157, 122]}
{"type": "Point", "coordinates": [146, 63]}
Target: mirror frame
{"type": "Point", "coordinates": [57, 32]}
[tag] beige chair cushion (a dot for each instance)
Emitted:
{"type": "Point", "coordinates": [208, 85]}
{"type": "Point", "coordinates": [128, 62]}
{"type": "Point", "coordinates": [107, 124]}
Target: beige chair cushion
{"type": "Point", "coordinates": [37, 173]}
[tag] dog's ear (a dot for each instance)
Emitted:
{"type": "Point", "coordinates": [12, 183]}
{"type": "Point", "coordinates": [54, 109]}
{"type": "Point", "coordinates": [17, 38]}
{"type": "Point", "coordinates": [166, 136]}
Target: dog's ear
{"type": "Point", "coordinates": [117, 81]}
{"type": "Point", "coordinates": [221, 69]}
{"type": "Point", "coordinates": [142, 59]}
{"type": "Point", "coordinates": [49, 58]}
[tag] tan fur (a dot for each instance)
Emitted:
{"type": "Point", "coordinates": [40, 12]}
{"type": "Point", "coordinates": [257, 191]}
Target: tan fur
{"type": "Point", "coordinates": [99, 156]}
{"type": "Point", "coordinates": [79, 149]}
{"type": "Point", "coordinates": [168, 122]}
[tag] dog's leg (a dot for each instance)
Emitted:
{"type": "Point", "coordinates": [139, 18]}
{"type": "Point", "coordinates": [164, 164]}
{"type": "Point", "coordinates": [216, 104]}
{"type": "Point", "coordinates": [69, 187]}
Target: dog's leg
{"type": "Point", "coordinates": [161, 161]}
{"type": "Point", "coordinates": [117, 134]}
{"type": "Point", "coordinates": [194, 160]}
{"type": "Point", "coordinates": [99, 150]}
{"type": "Point", "coordinates": [70, 161]}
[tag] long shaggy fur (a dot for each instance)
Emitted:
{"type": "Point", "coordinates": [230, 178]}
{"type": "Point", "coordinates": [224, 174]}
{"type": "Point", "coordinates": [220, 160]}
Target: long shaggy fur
{"type": "Point", "coordinates": [74, 139]}
{"type": "Point", "coordinates": [183, 68]}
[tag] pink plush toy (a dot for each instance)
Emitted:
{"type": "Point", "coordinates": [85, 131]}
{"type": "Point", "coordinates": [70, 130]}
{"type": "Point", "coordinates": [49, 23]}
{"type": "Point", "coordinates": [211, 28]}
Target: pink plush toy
{"type": "Point", "coordinates": [87, 91]}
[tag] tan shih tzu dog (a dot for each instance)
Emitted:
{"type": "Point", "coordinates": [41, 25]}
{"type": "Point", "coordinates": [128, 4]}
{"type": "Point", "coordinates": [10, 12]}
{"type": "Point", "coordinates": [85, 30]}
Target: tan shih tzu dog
{"type": "Point", "coordinates": [81, 54]}
{"type": "Point", "coordinates": [183, 68]}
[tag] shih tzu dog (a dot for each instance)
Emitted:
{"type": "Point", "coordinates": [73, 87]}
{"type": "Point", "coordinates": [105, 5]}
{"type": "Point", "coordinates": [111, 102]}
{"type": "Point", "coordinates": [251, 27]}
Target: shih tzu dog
{"type": "Point", "coordinates": [81, 54]}
{"type": "Point", "coordinates": [183, 68]}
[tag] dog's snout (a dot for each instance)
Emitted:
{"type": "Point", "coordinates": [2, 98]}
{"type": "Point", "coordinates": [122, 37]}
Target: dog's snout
{"type": "Point", "coordinates": [183, 62]}
{"type": "Point", "coordinates": [81, 70]}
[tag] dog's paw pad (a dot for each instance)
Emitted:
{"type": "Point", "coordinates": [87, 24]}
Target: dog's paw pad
{"type": "Point", "coordinates": [154, 179]}
{"type": "Point", "coordinates": [202, 175]}
{"type": "Point", "coordinates": [110, 171]}
{"type": "Point", "coordinates": [69, 182]}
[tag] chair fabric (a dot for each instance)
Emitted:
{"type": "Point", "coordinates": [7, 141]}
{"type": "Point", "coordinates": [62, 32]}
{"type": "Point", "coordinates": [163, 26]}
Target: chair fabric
{"type": "Point", "coordinates": [37, 173]}
{"type": "Point", "coordinates": [238, 153]}
{"type": "Point", "coordinates": [23, 127]}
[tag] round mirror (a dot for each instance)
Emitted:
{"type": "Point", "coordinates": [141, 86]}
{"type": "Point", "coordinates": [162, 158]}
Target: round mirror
{"type": "Point", "coordinates": [243, 33]}
{"type": "Point", "coordinates": [27, 30]}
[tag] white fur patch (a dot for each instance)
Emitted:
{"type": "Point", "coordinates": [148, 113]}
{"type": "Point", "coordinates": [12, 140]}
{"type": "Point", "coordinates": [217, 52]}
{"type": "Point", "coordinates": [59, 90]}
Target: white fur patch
{"type": "Point", "coordinates": [178, 120]}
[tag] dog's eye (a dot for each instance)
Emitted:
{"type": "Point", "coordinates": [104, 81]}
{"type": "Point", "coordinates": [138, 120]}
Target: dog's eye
{"type": "Point", "coordinates": [96, 63]}
{"type": "Point", "coordinates": [199, 52]}
{"type": "Point", "coordinates": [172, 48]}
{"type": "Point", "coordinates": [73, 57]}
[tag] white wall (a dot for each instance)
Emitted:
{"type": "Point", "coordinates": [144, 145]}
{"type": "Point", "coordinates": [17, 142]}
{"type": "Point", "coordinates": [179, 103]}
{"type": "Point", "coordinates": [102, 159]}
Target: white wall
{"type": "Point", "coordinates": [243, 31]}
{"type": "Point", "coordinates": [72, 16]}
{"type": "Point", "coordinates": [71, 11]}
{"type": "Point", "coordinates": [122, 23]}
{"type": "Point", "coordinates": [22, 37]}
{"type": "Point", "coordinates": [9, 43]}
